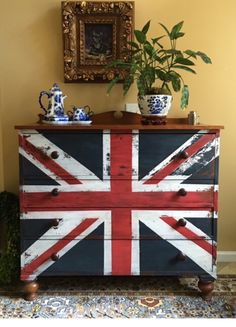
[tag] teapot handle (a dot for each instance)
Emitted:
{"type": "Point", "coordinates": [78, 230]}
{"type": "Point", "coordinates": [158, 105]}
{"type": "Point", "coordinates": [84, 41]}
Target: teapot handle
{"type": "Point", "coordinates": [40, 97]}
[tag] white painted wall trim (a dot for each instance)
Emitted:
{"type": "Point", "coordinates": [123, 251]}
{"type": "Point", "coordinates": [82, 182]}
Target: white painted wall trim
{"type": "Point", "coordinates": [226, 256]}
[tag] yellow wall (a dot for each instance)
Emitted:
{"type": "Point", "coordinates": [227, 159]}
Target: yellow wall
{"type": "Point", "coordinates": [1, 147]}
{"type": "Point", "coordinates": [31, 61]}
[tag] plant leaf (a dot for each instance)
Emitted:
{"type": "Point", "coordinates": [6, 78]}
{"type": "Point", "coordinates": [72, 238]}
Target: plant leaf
{"type": "Point", "coordinates": [176, 83]}
{"type": "Point", "coordinates": [118, 63]}
{"type": "Point", "coordinates": [185, 97]}
{"type": "Point", "coordinates": [149, 49]}
{"type": "Point", "coordinates": [191, 53]}
{"type": "Point", "coordinates": [140, 36]}
{"type": "Point", "coordinates": [204, 57]}
{"type": "Point", "coordinates": [133, 44]}
{"type": "Point", "coordinates": [175, 80]}
{"type": "Point", "coordinates": [146, 27]}
{"type": "Point", "coordinates": [185, 68]}
{"type": "Point", "coordinates": [171, 51]}
{"type": "Point", "coordinates": [141, 85]}
{"type": "Point", "coordinates": [175, 30]}
{"type": "Point", "coordinates": [127, 83]}
{"type": "Point", "coordinates": [184, 61]}
{"type": "Point", "coordinates": [164, 59]}
{"type": "Point", "coordinates": [112, 83]}
{"type": "Point", "coordinates": [156, 39]}
{"type": "Point", "coordinates": [180, 34]}
{"type": "Point", "coordinates": [161, 75]}
{"type": "Point", "coordinates": [166, 86]}
{"type": "Point", "coordinates": [165, 28]}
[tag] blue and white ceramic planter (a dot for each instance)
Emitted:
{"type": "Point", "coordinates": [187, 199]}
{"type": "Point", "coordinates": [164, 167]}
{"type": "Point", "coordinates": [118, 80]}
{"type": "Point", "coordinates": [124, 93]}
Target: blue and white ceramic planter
{"type": "Point", "coordinates": [155, 104]}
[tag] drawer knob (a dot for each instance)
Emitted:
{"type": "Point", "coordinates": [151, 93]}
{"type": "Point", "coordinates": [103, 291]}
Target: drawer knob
{"type": "Point", "coordinates": [54, 155]}
{"type": "Point", "coordinates": [181, 256]}
{"type": "Point", "coordinates": [182, 222]}
{"type": "Point", "coordinates": [182, 192]}
{"type": "Point", "coordinates": [54, 257]}
{"type": "Point", "coordinates": [55, 222]}
{"type": "Point", "coordinates": [55, 192]}
{"type": "Point", "coordinates": [183, 155]}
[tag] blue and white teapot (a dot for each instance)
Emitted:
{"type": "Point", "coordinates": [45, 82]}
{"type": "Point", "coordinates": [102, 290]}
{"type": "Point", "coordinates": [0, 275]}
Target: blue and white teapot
{"type": "Point", "coordinates": [55, 110]}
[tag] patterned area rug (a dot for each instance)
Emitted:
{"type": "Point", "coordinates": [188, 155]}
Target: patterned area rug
{"type": "Point", "coordinates": [117, 297]}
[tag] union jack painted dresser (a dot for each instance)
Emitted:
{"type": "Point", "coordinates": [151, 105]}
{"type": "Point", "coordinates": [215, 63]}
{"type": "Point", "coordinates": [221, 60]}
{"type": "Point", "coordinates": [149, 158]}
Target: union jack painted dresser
{"type": "Point", "coordinates": [118, 198]}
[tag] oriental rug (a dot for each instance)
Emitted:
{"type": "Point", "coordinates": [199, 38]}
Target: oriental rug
{"type": "Point", "coordinates": [121, 297]}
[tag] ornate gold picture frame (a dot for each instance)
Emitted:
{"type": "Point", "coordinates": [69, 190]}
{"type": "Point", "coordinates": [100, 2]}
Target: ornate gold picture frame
{"type": "Point", "coordinates": [94, 34]}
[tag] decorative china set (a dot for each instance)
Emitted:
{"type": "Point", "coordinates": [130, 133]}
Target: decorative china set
{"type": "Point", "coordinates": [155, 106]}
{"type": "Point", "coordinates": [55, 112]}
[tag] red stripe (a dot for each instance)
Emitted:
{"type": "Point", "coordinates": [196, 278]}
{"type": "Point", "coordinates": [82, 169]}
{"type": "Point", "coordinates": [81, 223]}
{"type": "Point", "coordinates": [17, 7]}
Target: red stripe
{"type": "Point", "coordinates": [31, 267]}
{"type": "Point", "coordinates": [122, 198]}
{"type": "Point", "coordinates": [176, 162]}
{"type": "Point", "coordinates": [121, 165]}
{"type": "Point", "coordinates": [47, 162]}
{"type": "Point", "coordinates": [190, 235]}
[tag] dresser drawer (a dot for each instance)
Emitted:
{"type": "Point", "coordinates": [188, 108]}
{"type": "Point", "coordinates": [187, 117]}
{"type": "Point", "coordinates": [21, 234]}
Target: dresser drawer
{"type": "Point", "coordinates": [148, 157]}
{"type": "Point", "coordinates": [118, 223]}
{"type": "Point", "coordinates": [96, 257]}
{"type": "Point", "coordinates": [176, 257]}
{"type": "Point", "coordinates": [188, 157]}
{"type": "Point", "coordinates": [118, 194]}
{"type": "Point", "coordinates": [62, 257]}
{"type": "Point", "coordinates": [63, 156]}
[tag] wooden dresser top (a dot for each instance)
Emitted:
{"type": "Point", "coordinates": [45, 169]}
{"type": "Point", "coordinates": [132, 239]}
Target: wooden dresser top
{"type": "Point", "coordinates": [117, 120]}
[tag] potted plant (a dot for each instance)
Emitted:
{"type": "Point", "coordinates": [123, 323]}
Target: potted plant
{"type": "Point", "coordinates": [156, 70]}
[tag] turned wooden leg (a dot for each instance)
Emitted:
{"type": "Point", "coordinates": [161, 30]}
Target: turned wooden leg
{"type": "Point", "coordinates": [30, 290]}
{"type": "Point", "coordinates": [206, 288]}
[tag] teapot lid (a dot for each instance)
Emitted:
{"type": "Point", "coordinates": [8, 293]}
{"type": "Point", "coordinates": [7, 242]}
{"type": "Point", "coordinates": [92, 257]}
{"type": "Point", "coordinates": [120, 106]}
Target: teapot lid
{"type": "Point", "coordinates": [56, 87]}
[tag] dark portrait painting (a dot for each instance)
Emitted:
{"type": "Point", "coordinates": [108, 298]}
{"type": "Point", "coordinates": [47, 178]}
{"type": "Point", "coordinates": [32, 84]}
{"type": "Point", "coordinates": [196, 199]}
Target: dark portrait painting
{"type": "Point", "coordinates": [98, 40]}
{"type": "Point", "coordinates": [94, 34]}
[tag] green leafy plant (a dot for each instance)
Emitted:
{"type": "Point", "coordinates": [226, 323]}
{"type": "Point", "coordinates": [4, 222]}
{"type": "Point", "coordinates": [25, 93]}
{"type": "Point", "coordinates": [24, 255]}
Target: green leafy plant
{"type": "Point", "coordinates": [155, 69]}
{"type": "Point", "coordinates": [10, 258]}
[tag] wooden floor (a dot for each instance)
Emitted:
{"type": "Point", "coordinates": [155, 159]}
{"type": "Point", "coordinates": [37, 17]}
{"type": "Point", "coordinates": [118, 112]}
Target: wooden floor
{"type": "Point", "coordinates": [226, 268]}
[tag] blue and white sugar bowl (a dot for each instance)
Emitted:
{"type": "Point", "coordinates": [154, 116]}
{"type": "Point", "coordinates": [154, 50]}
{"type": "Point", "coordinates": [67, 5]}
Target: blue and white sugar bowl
{"type": "Point", "coordinates": [80, 115]}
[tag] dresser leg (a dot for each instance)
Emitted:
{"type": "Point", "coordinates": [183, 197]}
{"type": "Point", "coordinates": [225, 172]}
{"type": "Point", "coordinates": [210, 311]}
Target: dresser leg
{"type": "Point", "coordinates": [30, 290]}
{"type": "Point", "coordinates": [206, 288]}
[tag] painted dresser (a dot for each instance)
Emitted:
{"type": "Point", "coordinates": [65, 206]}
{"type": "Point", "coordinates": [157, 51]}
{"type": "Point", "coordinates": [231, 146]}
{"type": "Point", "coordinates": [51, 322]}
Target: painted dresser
{"type": "Point", "coordinates": [118, 198]}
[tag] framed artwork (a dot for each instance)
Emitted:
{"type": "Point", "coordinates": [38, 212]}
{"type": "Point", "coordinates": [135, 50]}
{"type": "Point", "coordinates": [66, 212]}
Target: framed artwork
{"type": "Point", "coordinates": [94, 34]}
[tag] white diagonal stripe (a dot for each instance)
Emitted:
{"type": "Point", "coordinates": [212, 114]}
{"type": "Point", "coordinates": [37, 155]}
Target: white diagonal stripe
{"type": "Point", "coordinates": [201, 257]}
{"type": "Point", "coordinates": [69, 164]}
{"type": "Point", "coordinates": [38, 164]}
{"type": "Point", "coordinates": [175, 181]}
{"type": "Point", "coordinates": [43, 244]}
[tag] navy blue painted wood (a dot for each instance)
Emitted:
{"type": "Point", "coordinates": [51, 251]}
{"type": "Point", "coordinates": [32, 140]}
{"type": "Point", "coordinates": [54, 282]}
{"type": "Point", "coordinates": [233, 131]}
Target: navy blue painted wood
{"type": "Point", "coordinates": [159, 257]}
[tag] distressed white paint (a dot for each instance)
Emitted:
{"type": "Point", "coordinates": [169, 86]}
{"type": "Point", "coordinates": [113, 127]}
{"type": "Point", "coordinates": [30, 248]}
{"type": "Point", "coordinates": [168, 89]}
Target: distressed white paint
{"type": "Point", "coordinates": [69, 164]}
{"type": "Point", "coordinates": [70, 220]}
{"type": "Point", "coordinates": [201, 257]}
{"type": "Point", "coordinates": [135, 245]}
{"type": "Point", "coordinates": [39, 165]}
{"type": "Point", "coordinates": [106, 154]}
{"type": "Point", "coordinates": [152, 217]}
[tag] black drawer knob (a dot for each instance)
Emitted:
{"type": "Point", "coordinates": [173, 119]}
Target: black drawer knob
{"type": "Point", "coordinates": [181, 256]}
{"type": "Point", "coordinates": [55, 222]}
{"type": "Point", "coordinates": [183, 155]}
{"type": "Point", "coordinates": [182, 192]}
{"type": "Point", "coordinates": [55, 192]}
{"type": "Point", "coordinates": [182, 222]}
{"type": "Point", "coordinates": [55, 257]}
{"type": "Point", "coordinates": [54, 155]}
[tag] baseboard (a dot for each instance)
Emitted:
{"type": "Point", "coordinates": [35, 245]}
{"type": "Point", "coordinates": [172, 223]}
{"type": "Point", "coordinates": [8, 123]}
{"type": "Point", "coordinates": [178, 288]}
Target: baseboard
{"type": "Point", "coordinates": [226, 256]}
